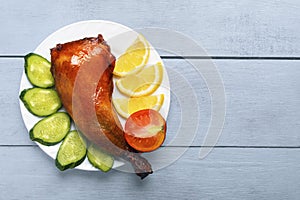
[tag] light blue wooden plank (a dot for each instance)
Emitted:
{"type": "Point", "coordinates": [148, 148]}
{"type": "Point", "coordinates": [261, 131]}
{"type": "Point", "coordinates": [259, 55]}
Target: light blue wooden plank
{"type": "Point", "coordinates": [262, 102]}
{"type": "Point", "coordinates": [26, 173]}
{"type": "Point", "coordinates": [231, 27]}
{"type": "Point", "coordinates": [12, 126]}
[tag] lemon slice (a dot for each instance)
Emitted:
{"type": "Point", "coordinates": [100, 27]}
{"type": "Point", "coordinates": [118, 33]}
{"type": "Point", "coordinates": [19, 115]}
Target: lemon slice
{"type": "Point", "coordinates": [141, 83]}
{"type": "Point", "coordinates": [134, 59]}
{"type": "Point", "coordinates": [126, 106]}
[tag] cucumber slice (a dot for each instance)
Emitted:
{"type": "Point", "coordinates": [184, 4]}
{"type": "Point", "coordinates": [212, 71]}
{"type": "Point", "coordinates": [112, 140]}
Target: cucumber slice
{"type": "Point", "coordinates": [100, 159]}
{"type": "Point", "coordinates": [51, 130]}
{"type": "Point", "coordinates": [40, 102]}
{"type": "Point", "coordinates": [37, 69]}
{"type": "Point", "coordinates": [71, 152]}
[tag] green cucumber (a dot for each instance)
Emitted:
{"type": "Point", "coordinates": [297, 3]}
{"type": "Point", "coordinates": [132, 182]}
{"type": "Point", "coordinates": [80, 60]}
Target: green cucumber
{"type": "Point", "coordinates": [51, 130]}
{"type": "Point", "coordinates": [71, 152]}
{"type": "Point", "coordinates": [40, 102]}
{"type": "Point", "coordinates": [100, 159]}
{"type": "Point", "coordinates": [37, 69]}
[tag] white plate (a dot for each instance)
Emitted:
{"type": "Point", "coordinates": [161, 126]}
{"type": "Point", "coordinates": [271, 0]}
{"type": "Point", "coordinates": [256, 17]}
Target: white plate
{"type": "Point", "coordinates": [118, 37]}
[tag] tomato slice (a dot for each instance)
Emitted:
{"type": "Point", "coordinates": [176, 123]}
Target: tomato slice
{"type": "Point", "coordinates": [145, 130]}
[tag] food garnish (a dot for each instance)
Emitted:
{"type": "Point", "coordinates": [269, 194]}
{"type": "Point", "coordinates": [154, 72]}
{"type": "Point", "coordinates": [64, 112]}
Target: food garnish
{"type": "Point", "coordinates": [52, 129]}
{"type": "Point", "coordinates": [141, 83]}
{"type": "Point", "coordinates": [99, 158]}
{"type": "Point", "coordinates": [37, 69]}
{"type": "Point", "coordinates": [40, 102]}
{"type": "Point", "coordinates": [145, 130]}
{"type": "Point", "coordinates": [126, 106]}
{"type": "Point", "coordinates": [71, 152]}
{"type": "Point", "coordinates": [134, 59]}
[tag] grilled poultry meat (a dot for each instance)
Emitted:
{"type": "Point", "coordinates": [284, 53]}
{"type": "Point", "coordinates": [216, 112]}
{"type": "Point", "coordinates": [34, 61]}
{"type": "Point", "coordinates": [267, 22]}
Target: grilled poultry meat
{"type": "Point", "coordinates": [82, 71]}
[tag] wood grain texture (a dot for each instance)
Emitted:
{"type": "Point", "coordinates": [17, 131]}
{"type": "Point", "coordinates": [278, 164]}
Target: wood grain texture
{"type": "Point", "coordinates": [234, 27]}
{"type": "Point", "coordinates": [12, 125]}
{"type": "Point", "coordinates": [262, 102]}
{"type": "Point", "coordinates": [26, 173]}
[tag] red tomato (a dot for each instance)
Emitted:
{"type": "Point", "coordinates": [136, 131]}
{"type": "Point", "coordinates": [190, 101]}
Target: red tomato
{"type": "Point", "coordinates": [145, 130]}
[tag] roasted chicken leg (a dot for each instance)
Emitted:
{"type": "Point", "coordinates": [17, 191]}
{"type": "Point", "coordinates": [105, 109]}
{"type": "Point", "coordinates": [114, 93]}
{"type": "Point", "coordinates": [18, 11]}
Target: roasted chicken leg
{"type": "Point", "coordinates": [82, 71]}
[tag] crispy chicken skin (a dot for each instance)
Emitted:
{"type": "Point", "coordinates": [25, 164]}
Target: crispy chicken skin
{"type": "Point", "coordinates": [82, 71]}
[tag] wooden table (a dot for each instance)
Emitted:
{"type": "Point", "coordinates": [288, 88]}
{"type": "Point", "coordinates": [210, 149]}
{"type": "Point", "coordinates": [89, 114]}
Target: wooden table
{"type": "Point", "coordinates": [255, 46]}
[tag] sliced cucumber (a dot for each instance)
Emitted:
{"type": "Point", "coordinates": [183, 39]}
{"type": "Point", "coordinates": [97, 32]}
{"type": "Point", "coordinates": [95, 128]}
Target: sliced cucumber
{"type": "Point", "coordinates": [100, 159]}
{"type": "Point", "coordinates": [37, 69]}
{"type": "Point", "coordinates": [71, 152]}
{"type": "Point", "coordinates": [40, 102]}
{"type": "Point", "coordinates": [51, 130]}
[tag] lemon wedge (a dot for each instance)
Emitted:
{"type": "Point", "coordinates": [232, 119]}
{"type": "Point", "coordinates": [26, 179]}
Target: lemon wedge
{"type": "Point", "coordinates": [134, 59]}
{"type": "Point", "coordinates": [126, 106]}
{"type": "Point", "coordinates": [142, 83]}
